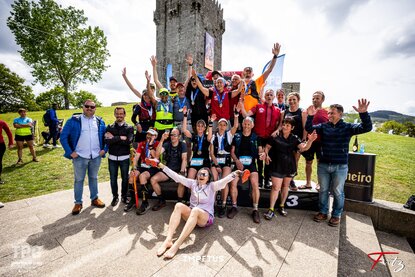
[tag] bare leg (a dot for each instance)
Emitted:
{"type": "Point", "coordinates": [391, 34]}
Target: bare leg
{"type": "Point", "coordinates": [32, 148]}
{"type": "Point", "coordinates": [308, 171]}
{"type": "Point", "coordinates": [197, 216]}
{"type": "Point", "coordinates": [284, 190]}
{"type": "Point", "coordinates": [19, 149]}
{"type": "Point", "coordinates": [179, 210]}
{"type": "Point", "coordinates": [255, 189]}
{"type": "Point", "coordinates": [276, 187]}
{"type": "Point", "coordinates": [234, 190]}
{"type": "Point", "coordinates": [156, 179]}
{"type": "Point", "coordinates": [224, 193]}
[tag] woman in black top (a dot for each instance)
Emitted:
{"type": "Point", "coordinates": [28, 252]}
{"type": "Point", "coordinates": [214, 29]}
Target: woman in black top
{"type": "Point", "coordinates": [283, 163]}
{"type": "Point", "coordinates": [197, 102]}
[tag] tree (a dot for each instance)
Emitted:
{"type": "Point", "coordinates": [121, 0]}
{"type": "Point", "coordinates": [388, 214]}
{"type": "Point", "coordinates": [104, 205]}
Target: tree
{"type": "Point", "coordinates": [81, 96]}
{"type": "Point", "coordinates": [13, 93]}
{"type": "Point", "coordinates": [56, 95]}
{"type": "Point", "coordinates": [397, 127]}
{"type": "Point", "coordinates": [409, 128]}
{"type": "Point", "coordinates": [57, 44]}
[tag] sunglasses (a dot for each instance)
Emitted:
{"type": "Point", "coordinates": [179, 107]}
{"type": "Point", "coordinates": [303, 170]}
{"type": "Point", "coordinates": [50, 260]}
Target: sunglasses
{"type": "Point", "coordinates": [174, 135]}
{"type": "Point", "coordinates": [203, 174]}
{"type": "Point", "coordinates": [164, 94]}
{"type": "Point", "coordinates": [89, 107]}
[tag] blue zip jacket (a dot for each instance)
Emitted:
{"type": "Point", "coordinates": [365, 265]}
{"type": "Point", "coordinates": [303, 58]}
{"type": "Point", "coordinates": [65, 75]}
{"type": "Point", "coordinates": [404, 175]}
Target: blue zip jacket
{"type": "Point", "coordinates": [72, 131]}
{"type": "Point", "coordinates": [335, 139]}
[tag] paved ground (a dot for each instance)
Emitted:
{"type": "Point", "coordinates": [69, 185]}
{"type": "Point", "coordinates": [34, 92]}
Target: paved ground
{"type": "Point", "coordinates": [39, 237]}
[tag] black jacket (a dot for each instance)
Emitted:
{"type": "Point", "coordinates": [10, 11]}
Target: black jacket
{"type": "Point", "coordinates": [118, 147]}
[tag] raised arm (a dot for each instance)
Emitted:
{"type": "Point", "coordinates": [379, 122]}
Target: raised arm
{"type": "Point", "coordinates": [306, 145]}
{"type": "Point", "coordinates": [132, 88]}
{"type": "Point", "coordinates": [153, 60]}
{"type": "Point", "coordinates": [176, 177]}
{"type": "Point", "coordinates": [189, 61]}
{"type": "Point", "coordinates": [366, 124]}
{"type": "Point", "coordinates": [204, 90]}
{"type": "Point", "coordinates": [235, 121]}
{"type": "Point", "coordinates": [150, 91]}
{"type": "Point", "coordinates": [220, 184]}
{"type": "Point", "coordinates": [184, 125]}
{"type": "Point", "coordinates": [160, 150]}
{"type": "Point", "coordinates": [275, 52]}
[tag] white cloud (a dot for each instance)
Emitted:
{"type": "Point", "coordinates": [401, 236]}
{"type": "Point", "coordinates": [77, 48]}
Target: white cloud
{"type": "Point", "coordinates": [348, 49]}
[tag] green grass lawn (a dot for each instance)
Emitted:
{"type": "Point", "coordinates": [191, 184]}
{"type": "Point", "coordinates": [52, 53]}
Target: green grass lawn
{"type": "Point", "coordinates": [394, 173]}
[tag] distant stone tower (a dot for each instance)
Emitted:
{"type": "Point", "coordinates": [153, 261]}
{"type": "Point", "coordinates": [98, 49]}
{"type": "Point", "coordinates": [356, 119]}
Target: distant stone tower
{"type": "Point", "coordinates": [181, 29]}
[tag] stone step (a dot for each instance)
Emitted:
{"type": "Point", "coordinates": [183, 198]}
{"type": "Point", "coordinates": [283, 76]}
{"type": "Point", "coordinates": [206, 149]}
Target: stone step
{"type": "Point", "coordinates": [403, 262]}
{"type": "Point", "coordinates": [358, 239]}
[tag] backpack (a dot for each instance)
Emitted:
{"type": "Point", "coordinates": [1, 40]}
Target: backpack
{"type": "Point", "coordinates": [46, 118]}
{"type": "Point", "coordinates": [410, 204]}
{"type": "Point", "coordinates": [254, 143]}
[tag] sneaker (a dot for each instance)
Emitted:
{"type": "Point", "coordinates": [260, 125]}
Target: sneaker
{"type": "Point", "coordinates": [97, 203]}
{"type": "Point", "coordinates": [221, 211]}
{"type": "Point", "coordinates": [115, 201]}
{"type": "Point", "coordinates": [57, 146]}
{"type": "Point", "coordinates": [160, 204]}
{"type": "Point", "coordinates": [152, 162]}
{"type": "Point", "coordinates": [1, 182]}
{"type": "Point", "coordinates": [232, 211]}
{"type": "Point", "coordinates": [293, 187]}
{"type": "Point", "coordinates": [282, 211]}
{"type": "Point", "coordinates": [255, 216]}
{"type": "Point", "coordinates": [124, 199]}
{"type": "Point", "coordinates": [46, 145]}
{"type": "Point", "coordinates": [76, 209]}
{"type": "Point", "coordinates": [36, 160]}
{"type": "Point", "coordinates": [334, 221]}
{"type": "Point", "coordinates": [143, 208]}
{"type": "Point", "coordinates": [267, 185]}
{"type": "Point", "coordinates": [130, 205]}
{"type": "Point", "coordinates": [1, 205]}
{"type": "Point", "coordinates": [320, 217]}
{"type": "Point", "coordinates": [19, 162]}
{"type": "Point", "coordinates": [269, 215]}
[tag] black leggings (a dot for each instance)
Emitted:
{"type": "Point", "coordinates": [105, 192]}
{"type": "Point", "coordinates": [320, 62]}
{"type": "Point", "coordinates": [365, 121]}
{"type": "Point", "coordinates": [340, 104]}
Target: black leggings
{"type": "Point", "coordinates": [2, 150]}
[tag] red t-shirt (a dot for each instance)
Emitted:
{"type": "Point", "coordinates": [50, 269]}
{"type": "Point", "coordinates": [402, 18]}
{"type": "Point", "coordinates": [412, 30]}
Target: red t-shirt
{"type": "Point", "coordinates": [321, 116]}
{"type": "Point", "coordinates": [216, 96]}
{"type": "Point", "coordinates": [5, 127]}
{"type": "Point", "coordinates": [266, 119]}
{"type": "Point", "coordinates": [142, 147]}
{"type": "Point", "coordinates": [233, 102]}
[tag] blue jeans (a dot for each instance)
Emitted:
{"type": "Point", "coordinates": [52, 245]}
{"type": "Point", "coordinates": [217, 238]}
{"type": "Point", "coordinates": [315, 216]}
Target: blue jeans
{"type": "Point", "coordinates": [113, 168]}
{"type": "Point", "coordinates": [80, 166]}
{"type": "Point", "coordinates": [331, 178]}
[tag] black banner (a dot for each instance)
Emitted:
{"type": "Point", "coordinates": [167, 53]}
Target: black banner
{"type": "Point", "coordinates": [361, 177]}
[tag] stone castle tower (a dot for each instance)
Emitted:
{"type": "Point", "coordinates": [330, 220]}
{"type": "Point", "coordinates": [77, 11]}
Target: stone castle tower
{"type": "Point", "coordinates": [181, 28]}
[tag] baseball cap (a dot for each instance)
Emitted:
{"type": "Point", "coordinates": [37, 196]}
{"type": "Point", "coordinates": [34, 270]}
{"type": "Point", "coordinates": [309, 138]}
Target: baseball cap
{"type": "Point", "coordinates": [216, 72]}
{"type": "Point", "coordinates": [152, 132]}
{"type": "Point", "coordinates": [172, 79]}
{"type": "Point", "coordinates": [179, 84]}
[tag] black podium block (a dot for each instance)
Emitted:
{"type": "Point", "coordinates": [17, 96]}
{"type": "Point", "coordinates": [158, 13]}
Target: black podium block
{"type": "Point", "coordinates": [361, 177]}
{"type": "Point", "coordinates": [304, 200]}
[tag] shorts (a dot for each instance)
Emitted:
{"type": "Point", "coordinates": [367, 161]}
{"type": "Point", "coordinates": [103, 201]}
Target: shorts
{"type": "Point", "coordinates": [23, 138]}
{"type": "Point", "coordinates": [152, 170]}
{"type": "Point", "coordinates": [209, 221]}
{"type": "Point", "coordinates": [227, 163]}
{"type": "Point", "coordinates": [252, 167]}
{"type": "Point", "coordinates": [281, 176]}
{"type": "Point", "coordinates": [314, 149]}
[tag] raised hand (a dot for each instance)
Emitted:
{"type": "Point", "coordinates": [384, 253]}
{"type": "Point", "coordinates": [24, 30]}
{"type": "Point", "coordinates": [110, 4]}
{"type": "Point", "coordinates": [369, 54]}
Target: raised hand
{"type": "Point", "coordinates": [189, 59]}
{"type": "Point", "coordinates": [165, 136]}
{"type": "Point", "coordinates": [311, 110]}
{"type": "Point", "coordinates": [363, 104]}
{"type": "Point", "coordinates": [148, 76]}
{"type": "Point", "coordinates": [153, 61]}
{"type": "Point", "coordinates": [185, 110]}
{"type": "Point", "coordinates": [213, 117]}
{"type": "Point", "coordinates": [313, 136]}
{"type": "Point", "coordinates": [276, 49]}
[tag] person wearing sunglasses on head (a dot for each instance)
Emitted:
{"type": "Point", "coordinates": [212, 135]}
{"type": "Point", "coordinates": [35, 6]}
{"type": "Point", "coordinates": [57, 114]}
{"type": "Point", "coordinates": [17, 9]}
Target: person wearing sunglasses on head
{"type": "Point", "coordinates": [82, 139]}
{"type": "Point", "coordinates": [200, 211]}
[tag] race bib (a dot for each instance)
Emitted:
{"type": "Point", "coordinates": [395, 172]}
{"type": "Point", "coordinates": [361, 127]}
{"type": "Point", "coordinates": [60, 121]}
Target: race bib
{"type": "Point", "coordinates": [221, 160]}
{"type": "Point", "coordinates": [245, 160]}
{"type": "Point", "coordinates": [196, 162]}
{"type": "Point", "coordinates": [144, 165]}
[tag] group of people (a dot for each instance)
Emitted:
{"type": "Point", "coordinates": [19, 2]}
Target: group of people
{"type": "Point", "coordinates": [207, 139]}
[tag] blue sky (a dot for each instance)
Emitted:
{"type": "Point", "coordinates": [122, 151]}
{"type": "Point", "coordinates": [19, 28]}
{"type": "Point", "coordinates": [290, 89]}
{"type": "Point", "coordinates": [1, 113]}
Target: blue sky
{"type": "Point", "coordinates": [347, 48]}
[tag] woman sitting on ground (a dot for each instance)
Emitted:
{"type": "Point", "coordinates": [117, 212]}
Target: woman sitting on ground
{"type": "Point", "coordinates": [200, 212]}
